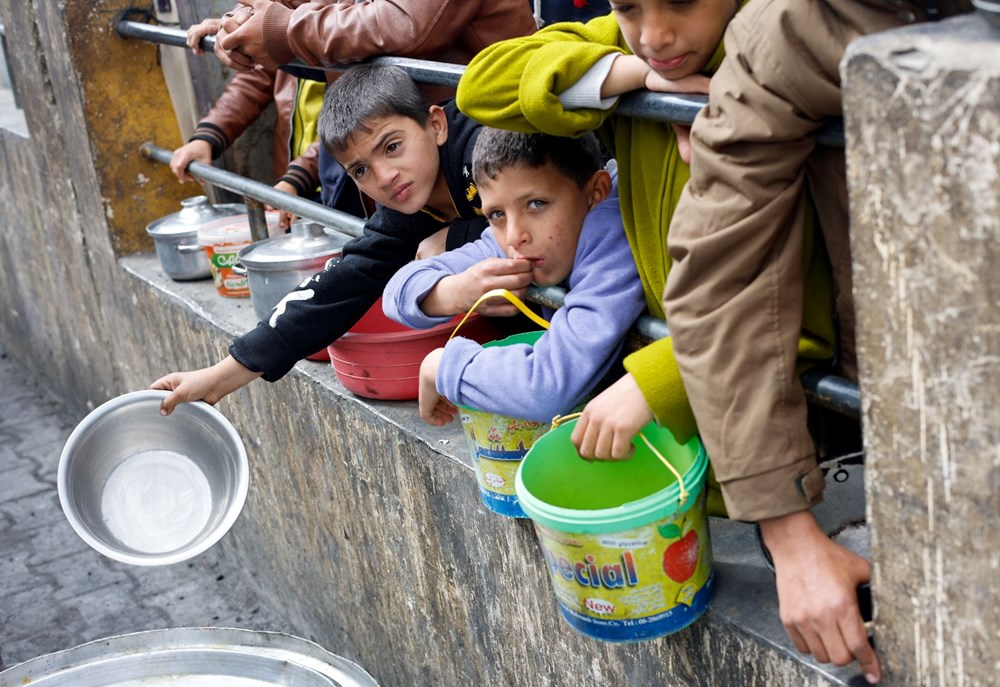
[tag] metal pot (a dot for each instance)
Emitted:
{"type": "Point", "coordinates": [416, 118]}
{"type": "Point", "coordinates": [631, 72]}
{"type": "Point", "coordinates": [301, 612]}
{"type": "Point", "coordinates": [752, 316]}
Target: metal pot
{"type": "Point", "coordinates": [206, 656]}
{"type": "Point", "coordinates": [176, 237]}
{"type": "Point", "coordinates": [276, 266]}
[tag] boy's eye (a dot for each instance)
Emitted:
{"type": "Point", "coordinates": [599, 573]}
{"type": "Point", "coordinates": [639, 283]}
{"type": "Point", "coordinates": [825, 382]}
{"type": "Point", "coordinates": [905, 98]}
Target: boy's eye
{"type": "Point", "coordinates": [392, 147]}
{"type": "Point", "coordinates": [537, 203]}
{"type": "Point", "coordinates": [358, 172]}
{"type": "Point", "coordinates": [621, 8]}
{"type": "Point", "coordinates": [494, 215]}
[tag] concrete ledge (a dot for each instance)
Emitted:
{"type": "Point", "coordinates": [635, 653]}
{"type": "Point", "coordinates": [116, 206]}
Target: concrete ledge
{"type": "Point", "coordinates": [365, 527]}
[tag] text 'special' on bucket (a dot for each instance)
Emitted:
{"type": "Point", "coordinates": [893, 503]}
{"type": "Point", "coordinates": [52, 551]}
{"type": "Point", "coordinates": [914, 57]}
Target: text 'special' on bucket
{"type": "Point", "coordinates": [629, 558]}
{"type": "Point", "coordinates": [497, 444]}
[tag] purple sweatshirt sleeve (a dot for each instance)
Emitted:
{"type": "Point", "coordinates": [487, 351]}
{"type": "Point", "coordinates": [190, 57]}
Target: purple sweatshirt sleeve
{"type": "Point", "coordinates": [553, 376]}
{"type": "Point", "coordinates": [411, 284]}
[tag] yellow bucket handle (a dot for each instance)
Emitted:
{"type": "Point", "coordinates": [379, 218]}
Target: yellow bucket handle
{"type": "Point", "coordinates": [559, 419]}
{"type": "Point", "coordinates": [512, 299]}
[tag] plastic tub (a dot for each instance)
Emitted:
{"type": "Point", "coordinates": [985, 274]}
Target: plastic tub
{"type": "Point", "coordinates": [379, 358]}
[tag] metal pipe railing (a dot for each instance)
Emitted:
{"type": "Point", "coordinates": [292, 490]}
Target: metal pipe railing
{"type": "Point", "coordinates": [255, 193]}
{"type": "Point", "coordinates": [666, 107]}
{"type": "Point", "coordinates": [821, 388]}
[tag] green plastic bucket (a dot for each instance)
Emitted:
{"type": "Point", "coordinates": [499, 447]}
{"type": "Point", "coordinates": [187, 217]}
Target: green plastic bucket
{"type": "Point", "coordinates": [497, 443]}
{"type": "Point", "coordinates": [628, 560]}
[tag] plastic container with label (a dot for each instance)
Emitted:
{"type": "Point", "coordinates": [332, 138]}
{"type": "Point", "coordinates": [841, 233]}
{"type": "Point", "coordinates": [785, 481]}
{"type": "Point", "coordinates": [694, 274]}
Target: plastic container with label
{"type": "Point", "coordinates": [222, 241]}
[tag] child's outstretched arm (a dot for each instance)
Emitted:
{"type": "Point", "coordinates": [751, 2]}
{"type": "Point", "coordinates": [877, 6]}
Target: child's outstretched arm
{"type": "Point", "coordinates": [209, 384]}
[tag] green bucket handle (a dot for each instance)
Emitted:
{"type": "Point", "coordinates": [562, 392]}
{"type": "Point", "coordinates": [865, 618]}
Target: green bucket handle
{"type": "Point", "coordinates": [559, 419]}
{"type": "Point", "coordinates": [512, 299]}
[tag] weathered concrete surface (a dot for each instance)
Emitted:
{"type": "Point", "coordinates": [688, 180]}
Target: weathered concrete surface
{"type": "Point", "coordinates": [366, 527]}
{"type": "Point", "coordinates": [923, 128]}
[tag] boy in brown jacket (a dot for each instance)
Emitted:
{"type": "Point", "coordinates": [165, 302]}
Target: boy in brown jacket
{"type": "Point", "coordinates": [273, 32]}
{"type": "Point", "coordinates": [736, 242]}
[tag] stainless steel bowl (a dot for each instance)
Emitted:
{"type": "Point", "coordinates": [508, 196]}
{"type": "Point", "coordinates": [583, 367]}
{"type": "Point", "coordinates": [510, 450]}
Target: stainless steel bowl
{"type": "Point", "coordinates": [989, 10]}
{"type": "Point", "coordinates": [150, 490]}
{"type": "Point", "coordinates": [191, 657]}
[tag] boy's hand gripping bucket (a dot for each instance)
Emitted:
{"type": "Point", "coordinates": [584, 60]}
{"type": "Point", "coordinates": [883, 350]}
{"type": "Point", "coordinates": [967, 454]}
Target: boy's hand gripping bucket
{"type": "Point", "coordinates": [626, 542]}
{"type": "Point", "coordinates": [497, 443]}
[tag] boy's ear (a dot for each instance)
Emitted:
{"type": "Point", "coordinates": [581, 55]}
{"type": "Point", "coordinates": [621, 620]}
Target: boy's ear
{"type": "Point", "coordinates": [598, 187]}
{"type": "Point", "coordinates": [437, 123]}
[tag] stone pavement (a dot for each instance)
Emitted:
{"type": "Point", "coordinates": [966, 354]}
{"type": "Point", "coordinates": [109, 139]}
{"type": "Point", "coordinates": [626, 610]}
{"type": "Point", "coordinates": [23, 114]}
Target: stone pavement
{"type": "Point", "coordinates": [55, 591]}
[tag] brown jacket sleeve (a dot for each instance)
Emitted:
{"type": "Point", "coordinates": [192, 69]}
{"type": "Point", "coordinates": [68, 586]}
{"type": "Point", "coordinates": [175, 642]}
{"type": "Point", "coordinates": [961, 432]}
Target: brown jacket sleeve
{"type": "Point", "coordinates": [303, 172]}
{"type": "Point", "coordinates": [445, 30]}
{"type": "Point", "coordinates": [246, 95]}
{"type": "Point", "coordinates": [735, 291]}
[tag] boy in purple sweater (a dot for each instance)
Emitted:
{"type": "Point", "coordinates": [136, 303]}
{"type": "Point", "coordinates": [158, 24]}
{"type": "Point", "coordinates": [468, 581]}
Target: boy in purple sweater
{"type": "Point", "coordinates": [553, 209]}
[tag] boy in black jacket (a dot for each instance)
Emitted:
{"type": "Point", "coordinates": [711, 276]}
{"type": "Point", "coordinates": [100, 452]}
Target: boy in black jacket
{"type": "Point", "coordinates": [415, 161]}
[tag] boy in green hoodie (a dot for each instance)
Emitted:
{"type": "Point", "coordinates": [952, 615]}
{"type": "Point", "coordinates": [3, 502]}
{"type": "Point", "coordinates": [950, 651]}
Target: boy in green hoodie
{"type": "Point", "coordinates": [564, 80]}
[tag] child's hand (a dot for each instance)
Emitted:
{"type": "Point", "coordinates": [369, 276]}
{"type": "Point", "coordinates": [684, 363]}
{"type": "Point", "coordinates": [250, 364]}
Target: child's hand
{"type": "Point", "coordinates": [244, 43]}
{"type": "Point", "coordinates": [285, 218]}
{"type": "Point", "coordinates": [696, 84]}
{"type": "Point", "coordinates": [229, 52]}
{"type": "Point", "coordinates": [817, 583]}
{"type": "Point", "coordinates": [435, 409]}
{"type": "Point", "coordinates": [209, 384]}
{"type": "Point", "coordinates": [459, 292]}
{"type": "Point", "coordinates": [610, 421]}
{"type": "Point", "coordinates": [195, 151]}
{"type": "Point", "coordinates": [209, 27]}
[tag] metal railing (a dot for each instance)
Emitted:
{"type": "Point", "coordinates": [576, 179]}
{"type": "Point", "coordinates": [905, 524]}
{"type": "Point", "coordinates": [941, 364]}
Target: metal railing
{"type": "Point", "coordinates": [256, 193]}
{"type": "Point", "coordinates": [821, 387]}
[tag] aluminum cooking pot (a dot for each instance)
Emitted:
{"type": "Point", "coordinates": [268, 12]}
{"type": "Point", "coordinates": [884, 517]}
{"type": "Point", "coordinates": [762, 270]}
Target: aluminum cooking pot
{"type": "Point", "coordinates": [176, 237]}
{"type": "Point", "coordinates": [276, 266]}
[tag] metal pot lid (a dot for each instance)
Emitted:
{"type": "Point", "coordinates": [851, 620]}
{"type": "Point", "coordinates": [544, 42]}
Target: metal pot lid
{"type": "Point", "coordinates": [307, 243]}
{"type": "Point", "coordinates": [195, 212]}
{"type": "Point", "coordinates": [192, 657]}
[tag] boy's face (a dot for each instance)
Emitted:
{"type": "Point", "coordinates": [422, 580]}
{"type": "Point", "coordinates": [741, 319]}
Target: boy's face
{"type": "Point", "coordinates": [397, 163]}
{"type": "Point", "coordinates": [536, 214]}
{"type": "Point", "coordinates": [676, 38]}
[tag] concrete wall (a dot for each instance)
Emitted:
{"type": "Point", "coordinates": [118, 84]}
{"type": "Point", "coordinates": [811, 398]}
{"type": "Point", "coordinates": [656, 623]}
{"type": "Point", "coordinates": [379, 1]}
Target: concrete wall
{"type": "Point", "coordinates": [923, 129]}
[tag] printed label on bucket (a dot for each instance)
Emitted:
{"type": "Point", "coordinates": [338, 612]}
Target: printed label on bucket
{"type": "Point", "coordinates": [497, 444]}
{"type": "Point", "coordinates": [634, 585]}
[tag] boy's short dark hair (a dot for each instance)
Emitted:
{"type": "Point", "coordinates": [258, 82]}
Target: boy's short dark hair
{"type": "Point", "coordinates": [578, 158]}
{"type": "Point", "coordinates": [364, 93]}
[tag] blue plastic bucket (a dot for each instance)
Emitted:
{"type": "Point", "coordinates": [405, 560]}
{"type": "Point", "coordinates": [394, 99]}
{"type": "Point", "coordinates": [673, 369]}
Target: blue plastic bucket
{"type": "Point", "coordinates": [629, 558]}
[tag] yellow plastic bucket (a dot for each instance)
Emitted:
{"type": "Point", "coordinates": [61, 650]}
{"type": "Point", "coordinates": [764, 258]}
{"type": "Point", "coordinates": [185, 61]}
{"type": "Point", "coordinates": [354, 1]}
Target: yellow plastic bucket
{"type": "Point", "coordinates": [626, 543]}
{"type": "Point", "coordinates": [497, 443]}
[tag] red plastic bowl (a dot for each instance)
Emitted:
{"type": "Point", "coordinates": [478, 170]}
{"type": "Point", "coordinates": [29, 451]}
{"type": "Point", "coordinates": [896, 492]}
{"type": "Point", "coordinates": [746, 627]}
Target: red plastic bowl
{"type": "Point", "coordinates": [379, 358]}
